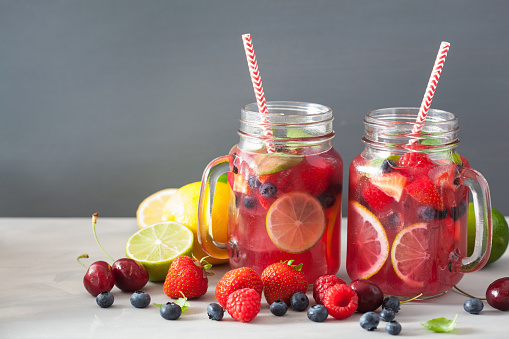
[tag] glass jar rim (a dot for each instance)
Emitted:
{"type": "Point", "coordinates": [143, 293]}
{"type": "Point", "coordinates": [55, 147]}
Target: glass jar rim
{"type": "Point", "coordinates": [411, 113]}
{"type": "Point", "coordinates": [297, 108]}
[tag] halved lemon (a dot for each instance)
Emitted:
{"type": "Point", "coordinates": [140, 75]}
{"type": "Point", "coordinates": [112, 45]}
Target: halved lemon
{"type": "Point", "coordinates": [368, 247]}
{"type": "Point", "coordinates": [156, 246]}
{"type": "Point", "coordinates": [151, 210]}
{"type": "Point", "coordinates": [410, 255]}
{"type": "Point", "coordinates": [295, 222]}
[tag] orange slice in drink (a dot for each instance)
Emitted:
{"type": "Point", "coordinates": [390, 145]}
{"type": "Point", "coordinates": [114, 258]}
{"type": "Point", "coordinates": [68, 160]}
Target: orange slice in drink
{"type": "Point", "coordinates": [368, 247]}
{"type": "Point", "coordinates": [296, 222]}
{"type": "Point", "coordinates": [410, 255]}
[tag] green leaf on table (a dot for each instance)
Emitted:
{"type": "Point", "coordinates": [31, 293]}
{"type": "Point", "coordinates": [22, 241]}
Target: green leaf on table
{"type": "Point", "coordinates": [182, 302]}
{"type": "Point", "coordinates": [440, 325]}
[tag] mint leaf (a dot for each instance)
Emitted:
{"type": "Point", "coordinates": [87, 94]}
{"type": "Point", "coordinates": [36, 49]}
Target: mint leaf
{"type": "Point", "coordinates": [182, 302]}
{"type": "Point", "coordinates": [440, 325]}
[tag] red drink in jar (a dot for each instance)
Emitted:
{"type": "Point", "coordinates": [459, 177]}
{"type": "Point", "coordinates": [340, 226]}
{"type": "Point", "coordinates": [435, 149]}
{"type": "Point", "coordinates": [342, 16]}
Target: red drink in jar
{"type": "Point", "coordinates": [408, 198]}
{"type": "Point", "coordinates": [285, 205]}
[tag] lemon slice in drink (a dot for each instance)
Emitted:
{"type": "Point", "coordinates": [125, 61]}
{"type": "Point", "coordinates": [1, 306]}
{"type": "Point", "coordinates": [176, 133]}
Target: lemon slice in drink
{"type": "Point", "coordinates": [151, 209]}
{"type": "Point", "coordinates": [156, 246]}
{"type": "Point", "coordinates": [296, 222]}
{"type": "Point", "coordinates": [367, 245]}
{"type": "Point", "coordinates": [410, 255]}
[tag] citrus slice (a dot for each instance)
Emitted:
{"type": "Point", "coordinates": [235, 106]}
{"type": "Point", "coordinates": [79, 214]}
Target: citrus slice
{"type": "Point", "coordinates": [410, 255]}
{"type": "Point", "coordinates": [368, 247]}
{"type": "Point", "coordinates": [156, 246]}
{"type": "Point", "coordinates": [150, 210]}
{"type": "Point", "coordinates": [296, 222]}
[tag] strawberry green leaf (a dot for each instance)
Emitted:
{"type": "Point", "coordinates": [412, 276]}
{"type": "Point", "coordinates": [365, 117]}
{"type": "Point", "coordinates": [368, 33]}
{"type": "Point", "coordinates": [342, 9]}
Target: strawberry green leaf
{"type": "Point", "coordinates": [440, 325]}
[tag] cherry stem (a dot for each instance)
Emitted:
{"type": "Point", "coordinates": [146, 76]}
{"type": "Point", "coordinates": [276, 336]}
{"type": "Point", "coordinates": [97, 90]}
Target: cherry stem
{"type": "Point", "coordinates": [467, 294]}
{"type": "Point", "coordinates": [412, 299]}
{"type": "Point", "coordinates": [81, 257]}
{"type": "Point", "coordinates": [94, 221]}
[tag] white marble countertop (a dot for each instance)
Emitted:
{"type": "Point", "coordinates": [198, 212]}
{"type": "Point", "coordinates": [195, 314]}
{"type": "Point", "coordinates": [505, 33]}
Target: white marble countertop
{"type": "Point", "coordinates": [42, 294]}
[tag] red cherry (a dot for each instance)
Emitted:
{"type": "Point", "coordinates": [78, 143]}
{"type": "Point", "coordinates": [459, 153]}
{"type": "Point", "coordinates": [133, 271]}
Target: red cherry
{"type": "Point", "coordinates": [370, 295]}
{"type": "Point", "coordinates": [497, 294]}
{"type": "Point", "coordinates": [130, 275]}
{"type": "Point", "coordinates": [99, 277]}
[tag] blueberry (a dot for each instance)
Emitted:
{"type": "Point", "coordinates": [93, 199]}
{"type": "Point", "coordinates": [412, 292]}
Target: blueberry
{"type": "Point", "coordinates": [425, 213]}
{"type": "Point", "coordinates": [170, 311]}
{"type": "Point", "coordinates": [388, 166]}
{"type": "Point", "coordinates": [473, 306]}
{"type": "Point", "coordinates": [327, 199]}
{"type": "Point", "coordinates": [268, 190]}
{"type": "Point", "coordinates": [394, 220]}
{"type": "Point", "coordinates": [215, 311]}
{"type": "Point", "coordinates": [278, 308]}
{"type": "Point", "coordinates": [441, 215]}
{"type": "Point", "coordinates": [369, 321]}
{"type": "Point", "coordinates": [393, 327]}
{"type": "Point", "coordinates": [104, 299]}
{"type": "Point", "coordinates": [140, 299]}
{"type": "Point", "coordinates": [249, 201]}
{"type": "Point", "coordinates": [299, 301]}
{"type": "Point", "coordinates": [253, 181]}
{"type": "Point", "coordinates": [458, 211]}
{"type": "Point", "coordinates": [318, 313]}
{"type": "Point", "coordinates": [392, 303]}
{"type": "Point", "coordinates": [387, 314]}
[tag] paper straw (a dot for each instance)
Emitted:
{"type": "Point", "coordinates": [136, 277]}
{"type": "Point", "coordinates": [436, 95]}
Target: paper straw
{"type": "Point", "coordinates": [430, 89]}
{"type": "Point", "coordinates": [256, 79]}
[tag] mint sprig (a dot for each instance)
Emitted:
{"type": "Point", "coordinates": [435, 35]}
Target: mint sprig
{"type": "Point", "coordinates": [440, 325]}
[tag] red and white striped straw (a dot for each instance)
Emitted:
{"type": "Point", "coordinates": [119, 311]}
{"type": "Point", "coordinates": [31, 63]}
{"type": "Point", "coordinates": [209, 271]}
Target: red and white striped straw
{"type": "Point", "coordinates": [430, 89]}
{"type": "Point", "coordinates": [256, 79]}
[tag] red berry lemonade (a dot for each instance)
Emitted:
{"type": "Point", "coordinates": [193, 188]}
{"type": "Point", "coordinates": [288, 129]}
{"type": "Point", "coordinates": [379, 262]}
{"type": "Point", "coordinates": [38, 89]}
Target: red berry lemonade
{"type": "Point", "coordinates": [287, 207]}
{"type": "Point", "coordinates": [407, 202]}
{"type": "Point", "coordinates": [407, 222]}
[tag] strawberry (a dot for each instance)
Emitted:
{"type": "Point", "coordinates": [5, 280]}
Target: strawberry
{"type": "Point", "coordinates": [376, 198]}
{"type": "Point", "coordinates": [415, 164]}
{"type": "Point", "coordinates": [314, 176]}
{"type": "Point", "coordinates": [322, 284]}
{"type": "Point", "coordinates": [244, 304]}
{"type": "Point", "coordinates": [185, 275]}
{"type": "Point", "coordinates": [341, 301]}
{"type": "Point", "coordinates": [236, 279]}
{"type": "Point", "coordinates": [443, 176]}
{"type": "Point", "coordinates": [426, 193]}
{"type": "Point", "coordinates": [391, 184]}
{"type": "Point", "coordinates": [281, 280]}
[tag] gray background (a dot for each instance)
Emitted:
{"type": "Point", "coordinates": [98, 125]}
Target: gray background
{"type": "Point", "coordinates": [104, 102]}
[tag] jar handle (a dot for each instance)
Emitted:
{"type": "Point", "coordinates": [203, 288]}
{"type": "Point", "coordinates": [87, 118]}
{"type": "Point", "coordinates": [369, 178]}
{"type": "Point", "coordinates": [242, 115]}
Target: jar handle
{"type": "Point", "coordinates": [483, 227]}
{"type": "Point", "coordinates": [213, 171]}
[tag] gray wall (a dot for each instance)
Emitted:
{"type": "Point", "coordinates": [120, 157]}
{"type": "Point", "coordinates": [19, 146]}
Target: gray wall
{"type": "Point", "coordinates": [103, 102]}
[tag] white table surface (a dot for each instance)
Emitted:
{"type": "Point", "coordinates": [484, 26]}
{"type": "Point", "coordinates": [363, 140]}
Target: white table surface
{"type": "Point", "coordinates": [42, 294]}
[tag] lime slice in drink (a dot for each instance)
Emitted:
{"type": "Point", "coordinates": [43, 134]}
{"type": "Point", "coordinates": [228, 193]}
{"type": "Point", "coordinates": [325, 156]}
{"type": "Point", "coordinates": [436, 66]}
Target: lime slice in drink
{"type": "Point", "coordinates": [296, 222]}
{"type": "Point", "coordinates": [269, 163]}
{"type": "Point", "coordinates": [156, 246]}
{"type": "Point", "coordinates": [410, 255]}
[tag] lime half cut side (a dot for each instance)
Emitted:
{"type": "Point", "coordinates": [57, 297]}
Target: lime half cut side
{"type": "Point", "coordinates": [156, 246]}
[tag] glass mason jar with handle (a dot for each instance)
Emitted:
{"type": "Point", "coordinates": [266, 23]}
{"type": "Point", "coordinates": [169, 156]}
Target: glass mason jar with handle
{"type": "Point", "coordinates": [407, 205]}
{"type": "Point", "coordinates": [285, 205]}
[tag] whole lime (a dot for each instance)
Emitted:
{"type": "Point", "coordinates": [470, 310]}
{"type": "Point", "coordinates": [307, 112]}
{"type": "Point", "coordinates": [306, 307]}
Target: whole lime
{"type": "Point", "coordinates": [500, 233]}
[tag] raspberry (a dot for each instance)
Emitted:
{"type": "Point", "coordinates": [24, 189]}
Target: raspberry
{"type": "Point", "coordinates": [341, 301]}
{"type": "Point", "coordinates": [244, 304]}
{"type": "Point", "coordinates": [322, 284]}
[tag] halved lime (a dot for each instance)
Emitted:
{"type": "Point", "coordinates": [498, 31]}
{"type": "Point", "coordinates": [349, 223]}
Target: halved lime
{"type": "Point", "coordinates": [156, 246]}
